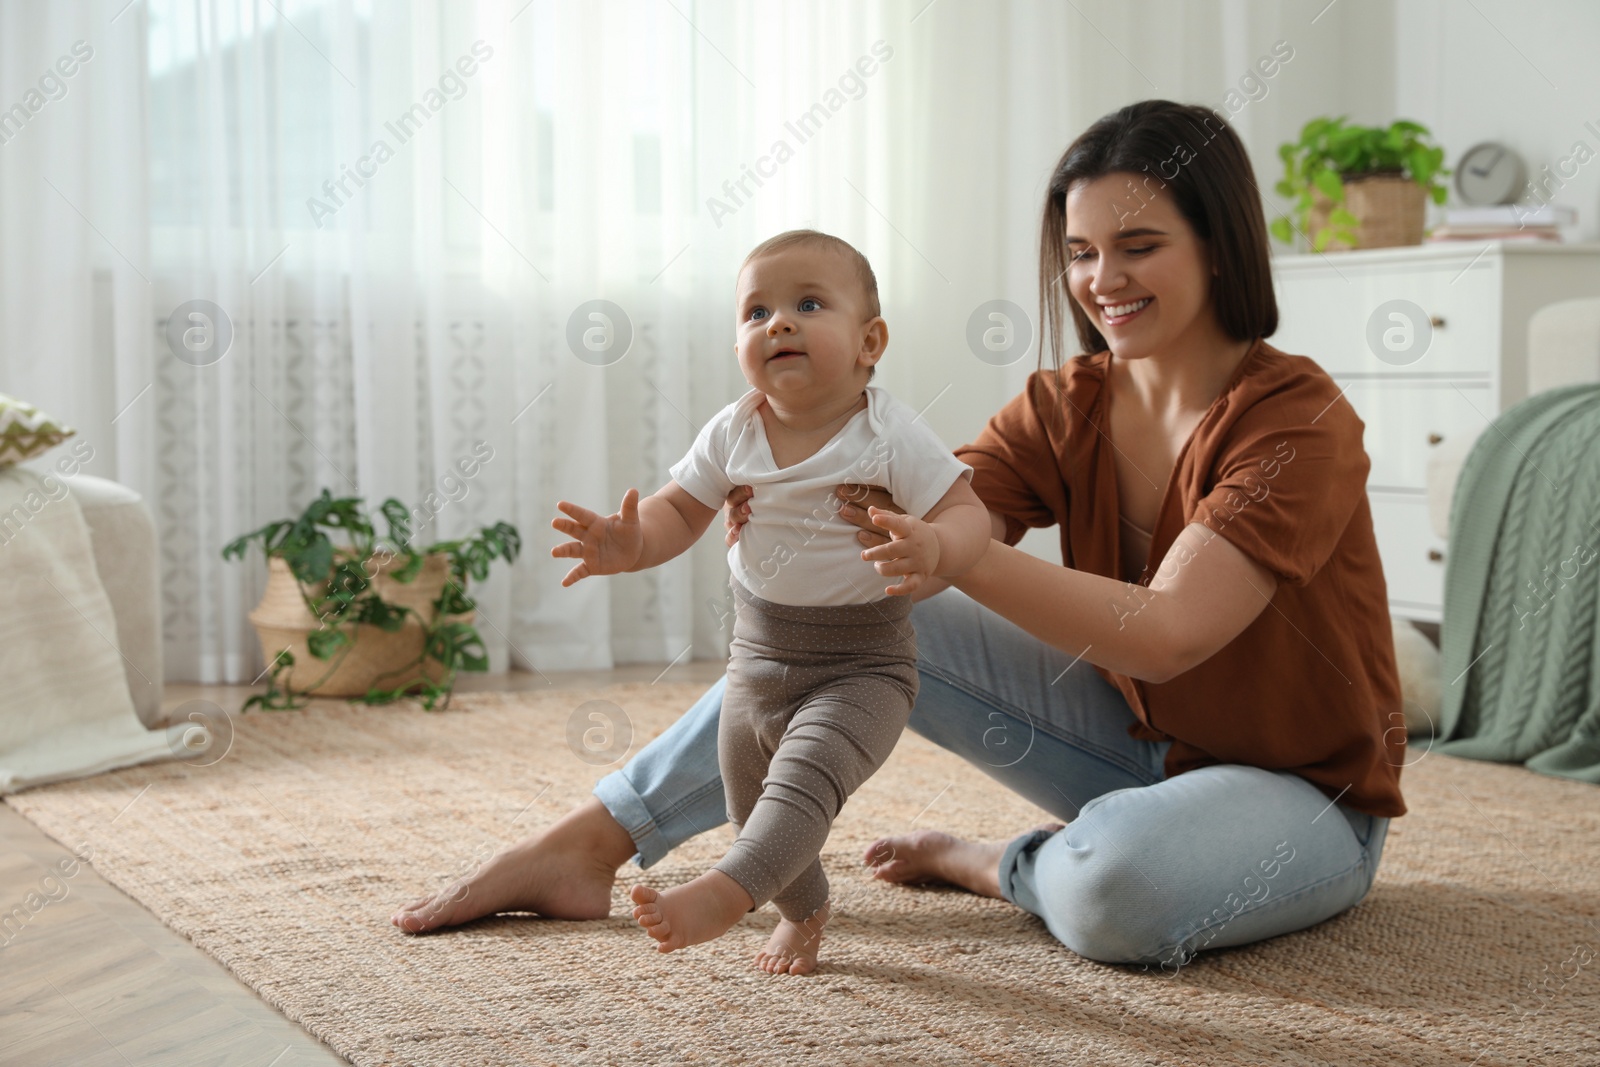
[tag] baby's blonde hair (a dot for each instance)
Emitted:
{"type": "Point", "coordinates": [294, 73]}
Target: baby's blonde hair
{"type": "Point", "coordinates": [817, 239]}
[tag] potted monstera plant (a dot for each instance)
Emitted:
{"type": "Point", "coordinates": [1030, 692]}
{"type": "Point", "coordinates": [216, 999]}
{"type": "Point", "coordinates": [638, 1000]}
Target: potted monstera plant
{"type": "Point", "coordinates": [1359, 186]}
{"type": "Point", "coordinates": [371, 616]}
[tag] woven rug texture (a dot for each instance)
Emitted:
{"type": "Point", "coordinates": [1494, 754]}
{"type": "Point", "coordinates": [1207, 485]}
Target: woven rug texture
{"type": "Point", "coordinates": [1479, 943]}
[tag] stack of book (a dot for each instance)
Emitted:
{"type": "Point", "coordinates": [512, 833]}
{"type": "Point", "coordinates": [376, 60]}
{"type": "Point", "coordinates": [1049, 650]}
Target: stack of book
{"type": "Point", "coordinates": [1505, 222]}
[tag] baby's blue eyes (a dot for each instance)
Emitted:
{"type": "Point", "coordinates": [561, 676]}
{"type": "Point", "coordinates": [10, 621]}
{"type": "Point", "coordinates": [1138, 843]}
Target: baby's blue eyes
{"type": "Point", "coordinates": [759, 312]}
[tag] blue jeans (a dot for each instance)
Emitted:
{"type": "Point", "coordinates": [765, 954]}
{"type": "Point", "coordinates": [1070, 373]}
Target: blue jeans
{"type": "Point", "coordinates": [1149, 869]}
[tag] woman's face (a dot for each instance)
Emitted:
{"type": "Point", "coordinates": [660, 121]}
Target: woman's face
{"type": "Point", "coordinates": [1136, 266]}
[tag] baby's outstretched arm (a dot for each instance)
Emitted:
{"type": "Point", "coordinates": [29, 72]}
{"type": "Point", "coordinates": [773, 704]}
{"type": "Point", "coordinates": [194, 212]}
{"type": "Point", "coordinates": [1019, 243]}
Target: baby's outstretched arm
{"type": "Point", "coordinates": [643, 534]}
{"type": "Point", "coordinates": [949, 542]}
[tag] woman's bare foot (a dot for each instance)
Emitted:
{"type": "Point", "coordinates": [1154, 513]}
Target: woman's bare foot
{"type": "Point", "coordinates": [691, 913]}
{"type": "Point", "coordinates": [564, 872]}
{"type": "Point", "coordinates": [932, 856]}
{"type": "Point", "coordinates": [792, 949]}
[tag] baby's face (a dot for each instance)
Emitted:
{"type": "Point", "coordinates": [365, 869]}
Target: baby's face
{"type": "Point", "coordinates": [803, 330]}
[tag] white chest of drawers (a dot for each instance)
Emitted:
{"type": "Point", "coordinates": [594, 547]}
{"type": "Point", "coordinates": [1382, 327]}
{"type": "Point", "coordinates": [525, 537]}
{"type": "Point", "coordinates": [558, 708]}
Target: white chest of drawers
{"type": "Point", "coordinates": [1478, 298]}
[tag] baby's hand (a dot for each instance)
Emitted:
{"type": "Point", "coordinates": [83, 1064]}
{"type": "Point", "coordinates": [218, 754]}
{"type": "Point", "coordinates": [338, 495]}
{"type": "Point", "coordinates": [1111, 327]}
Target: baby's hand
{"type": "Point", "coordinates": [607, 544]}
{"type": "Point", "coordinates": [913, 550]}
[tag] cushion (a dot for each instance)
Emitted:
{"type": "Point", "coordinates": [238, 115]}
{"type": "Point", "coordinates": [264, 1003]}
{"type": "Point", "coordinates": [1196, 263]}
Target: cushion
{"type": "Point", "coordinates": [25, 431]}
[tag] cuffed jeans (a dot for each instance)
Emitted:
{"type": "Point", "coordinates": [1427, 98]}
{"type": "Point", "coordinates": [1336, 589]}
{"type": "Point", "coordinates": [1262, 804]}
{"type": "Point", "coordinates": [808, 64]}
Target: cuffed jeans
{"type": "Point", "coordinates": [1149, 869]}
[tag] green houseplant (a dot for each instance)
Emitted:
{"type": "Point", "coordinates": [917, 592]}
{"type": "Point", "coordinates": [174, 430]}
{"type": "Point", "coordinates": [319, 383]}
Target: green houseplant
{"type": "Point", "coordinates": [372, 616]}
{"type": "Point", "coordinates": [1359, 186]}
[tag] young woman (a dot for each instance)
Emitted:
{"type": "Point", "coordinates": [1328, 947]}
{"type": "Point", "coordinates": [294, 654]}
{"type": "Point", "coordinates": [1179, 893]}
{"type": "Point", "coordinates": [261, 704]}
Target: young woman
{"type": "Point", "coordinates": [1205, 692]}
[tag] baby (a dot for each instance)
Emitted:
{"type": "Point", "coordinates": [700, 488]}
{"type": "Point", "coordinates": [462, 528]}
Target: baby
{"type": "Point", "coordinates": [822, 671]}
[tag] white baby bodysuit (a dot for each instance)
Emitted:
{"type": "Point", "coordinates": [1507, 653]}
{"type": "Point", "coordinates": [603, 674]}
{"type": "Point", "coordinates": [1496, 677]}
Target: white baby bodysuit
{"type": "Point", "coordinates": [796, 549]}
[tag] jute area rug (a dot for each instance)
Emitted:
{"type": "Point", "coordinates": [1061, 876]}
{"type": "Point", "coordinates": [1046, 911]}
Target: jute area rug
{"type": "Point", "coordinates": [285, 859]}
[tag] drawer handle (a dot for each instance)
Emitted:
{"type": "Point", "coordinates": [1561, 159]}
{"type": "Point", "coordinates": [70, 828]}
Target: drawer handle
{"type": "Point", "coordinates": [1434, 438]}
{"type": "Point", "coordinates": [1435, 555]}
{"type": "Point", "coordinates": [1436, 321]}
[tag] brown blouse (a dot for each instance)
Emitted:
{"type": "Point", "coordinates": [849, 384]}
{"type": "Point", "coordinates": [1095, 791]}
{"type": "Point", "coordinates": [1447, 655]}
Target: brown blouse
{"type": "Point", "coordinates": [1276, 466]}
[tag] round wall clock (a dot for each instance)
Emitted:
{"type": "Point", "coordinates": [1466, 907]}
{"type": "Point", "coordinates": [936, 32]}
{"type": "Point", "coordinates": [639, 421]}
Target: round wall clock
{"type": "Point", "coordinates": [1490, 173]}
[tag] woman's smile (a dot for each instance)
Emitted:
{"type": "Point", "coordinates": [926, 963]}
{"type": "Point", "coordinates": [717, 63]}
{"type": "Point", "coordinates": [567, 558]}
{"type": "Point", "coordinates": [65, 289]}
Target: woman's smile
{"type": "Point", "coordinates": [1119, 314]}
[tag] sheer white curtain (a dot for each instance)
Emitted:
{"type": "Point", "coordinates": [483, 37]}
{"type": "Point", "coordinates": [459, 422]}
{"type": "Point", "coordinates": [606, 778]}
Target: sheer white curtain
{"type": "Point", "coordinates": [407, 213]}
{"type": "Point", "coordinates": [74, 238]}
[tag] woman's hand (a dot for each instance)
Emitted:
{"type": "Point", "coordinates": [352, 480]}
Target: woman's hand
{"type": "Point", "coordinates": [854, 502]}
{"type": "Point", "coordinates": [737, 512]}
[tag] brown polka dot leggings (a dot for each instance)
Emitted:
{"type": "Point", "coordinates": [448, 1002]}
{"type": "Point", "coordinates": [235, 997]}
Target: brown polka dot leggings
{"type": "Point", "coordinates": [816, 699]}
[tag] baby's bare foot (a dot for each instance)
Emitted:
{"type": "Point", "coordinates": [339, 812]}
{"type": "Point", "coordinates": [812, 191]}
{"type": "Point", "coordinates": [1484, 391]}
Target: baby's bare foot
{"type": "Point", "coordinates": [792, 949]}
{"type": "Point", "coordinates": [688, 914]}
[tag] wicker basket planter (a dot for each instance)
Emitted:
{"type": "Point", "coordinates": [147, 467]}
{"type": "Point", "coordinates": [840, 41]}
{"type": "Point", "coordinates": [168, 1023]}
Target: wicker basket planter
{"type": "Point", "coordinates": [368, 602]}
{"type": "Point", "coordinates": [1390, 208]}
{"type": "Point", "coordinates": [375, 657]}
{"type": "Point", "coordinates": [1382, 177]}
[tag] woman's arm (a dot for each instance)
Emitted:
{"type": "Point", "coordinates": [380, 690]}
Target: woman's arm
{"type": "Point", "coordinates": [1204, 594]}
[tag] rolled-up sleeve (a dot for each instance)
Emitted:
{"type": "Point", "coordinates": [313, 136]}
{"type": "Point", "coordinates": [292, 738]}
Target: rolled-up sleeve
{"type": "Point", "coordinates": [1285, 489]}
{"type": "Point", "coordinates": [1015, 471]}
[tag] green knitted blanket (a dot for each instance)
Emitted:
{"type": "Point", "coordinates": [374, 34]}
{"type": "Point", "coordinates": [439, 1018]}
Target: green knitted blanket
{"type": "Point", "coordinates": [1520, 641]}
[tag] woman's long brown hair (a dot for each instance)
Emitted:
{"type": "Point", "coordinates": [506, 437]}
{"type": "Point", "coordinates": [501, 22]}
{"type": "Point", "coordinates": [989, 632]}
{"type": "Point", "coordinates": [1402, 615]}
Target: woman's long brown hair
{"type": "Point", "coordinates": [1189, 153]}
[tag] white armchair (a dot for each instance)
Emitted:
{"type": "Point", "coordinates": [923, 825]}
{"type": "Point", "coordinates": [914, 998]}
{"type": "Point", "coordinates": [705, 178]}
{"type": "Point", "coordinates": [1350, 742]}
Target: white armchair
{"type": "Point", "coordinates": [122, 535]}
{"type": "Point", "coordinates": [82, 624]}
{"type": "Point", "coordinates": [1563, 349]}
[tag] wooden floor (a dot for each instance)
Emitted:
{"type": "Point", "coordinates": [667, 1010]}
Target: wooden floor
{"type": "Point", "coordinates": [94, 979]}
